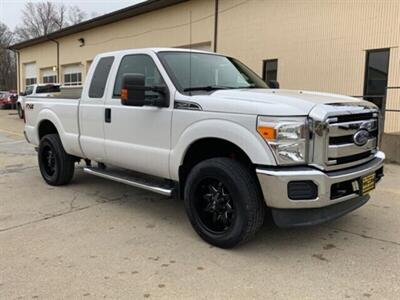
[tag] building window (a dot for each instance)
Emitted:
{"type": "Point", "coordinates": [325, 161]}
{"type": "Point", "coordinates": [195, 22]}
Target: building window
{"type": "Point", "coordinates": [270, 70]}
{"type": "Point", "coordinates": [73, 79]}
{"type": "Point", "coordinates": [376, 75]}
{"type": "Point", "coordinates": [50, 79]}
{"type": "Point", "coordinates": [29, 81]}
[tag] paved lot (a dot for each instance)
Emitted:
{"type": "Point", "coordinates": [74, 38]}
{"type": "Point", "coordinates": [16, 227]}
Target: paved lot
{"type": "Point", "coordinates": [96, 239]}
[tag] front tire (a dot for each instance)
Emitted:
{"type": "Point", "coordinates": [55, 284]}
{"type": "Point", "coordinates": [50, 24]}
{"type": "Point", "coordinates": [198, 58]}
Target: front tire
{"type": "Point", "coordinates": [56, 166]}
{"type": "Point", "coordinates": [20, 111]}
{"type": "Point", "coordinates": [223, 202]}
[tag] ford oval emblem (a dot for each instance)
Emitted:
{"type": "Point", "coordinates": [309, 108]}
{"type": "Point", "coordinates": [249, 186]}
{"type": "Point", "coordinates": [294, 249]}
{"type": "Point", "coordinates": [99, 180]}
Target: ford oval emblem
{"type": "Point", "coordinates": [361, 137]}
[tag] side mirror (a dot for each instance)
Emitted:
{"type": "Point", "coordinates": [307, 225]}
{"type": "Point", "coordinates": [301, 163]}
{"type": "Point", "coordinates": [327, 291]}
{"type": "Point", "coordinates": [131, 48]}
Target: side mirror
{"type": "Point", "coordinates": [273, 84]}
{"type": "Point", "coordinates": [22, 94]}
{"type": "Point", "coordinates": [133, 88]}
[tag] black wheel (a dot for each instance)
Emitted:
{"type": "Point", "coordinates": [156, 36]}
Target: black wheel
{"type": "Point", "coordinates": [20, 111]}
{"type": "Point", "coordinates": [56, 166]}
{"type": "Point", "coordinates": [223, 202]}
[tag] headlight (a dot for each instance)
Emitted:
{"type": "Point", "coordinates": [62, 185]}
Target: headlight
{"type": "Point", "coordinates": [286, 136]}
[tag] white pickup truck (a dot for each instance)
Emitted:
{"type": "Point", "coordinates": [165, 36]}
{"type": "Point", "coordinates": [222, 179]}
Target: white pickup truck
{"type": "Point", "coordinates": [43, 90]}
{"type": "Point", "coordinates": [205, 128]}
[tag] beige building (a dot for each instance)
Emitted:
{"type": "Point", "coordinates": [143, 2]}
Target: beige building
{"type": "Point", "coordinates": [342, 46]}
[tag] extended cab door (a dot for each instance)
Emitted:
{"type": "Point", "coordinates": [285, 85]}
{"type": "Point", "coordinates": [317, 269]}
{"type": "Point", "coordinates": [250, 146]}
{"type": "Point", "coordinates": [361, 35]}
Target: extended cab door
{"type": "Point", "coordinates": [138, 138]}
{"type": "Point", "coordinates": [91, 110]}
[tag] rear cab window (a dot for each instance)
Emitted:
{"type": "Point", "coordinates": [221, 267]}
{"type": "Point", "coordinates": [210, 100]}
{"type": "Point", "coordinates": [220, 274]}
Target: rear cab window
{"type": "Point", "coordinates": [100, 76]}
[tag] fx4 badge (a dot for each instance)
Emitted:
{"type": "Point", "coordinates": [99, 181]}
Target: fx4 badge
{"type": "Point", "coordinates": [29, 106]}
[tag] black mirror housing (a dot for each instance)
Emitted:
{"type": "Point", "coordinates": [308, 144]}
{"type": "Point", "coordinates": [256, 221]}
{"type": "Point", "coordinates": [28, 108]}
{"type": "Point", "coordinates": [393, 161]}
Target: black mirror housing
{"type": "Point", "coordinates": [22, 94]}
{"type": "Point", "coordinates": [273, 84]}
{"type": "Point", "coordinates": [133, 89]}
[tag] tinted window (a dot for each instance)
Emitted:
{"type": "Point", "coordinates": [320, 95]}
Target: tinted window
{"type": "Point", "coordinates": [270, 69]}
{"type": "Point", "coordinates": [45, 89]}
{"type": "Point", "coordinates": [99, 80]}
{"type": "Point", "coordinates": [377, 72]}
{"type": "Point", "coordinates": [139, 64]}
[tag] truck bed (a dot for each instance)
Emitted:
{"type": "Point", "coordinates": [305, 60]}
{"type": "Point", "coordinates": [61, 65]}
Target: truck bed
{"type": "Point", "coordinates": [62, 112]}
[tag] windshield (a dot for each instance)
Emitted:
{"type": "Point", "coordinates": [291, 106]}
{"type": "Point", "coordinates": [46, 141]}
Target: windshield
{"type": "Point", "coordinates": [207, 72]}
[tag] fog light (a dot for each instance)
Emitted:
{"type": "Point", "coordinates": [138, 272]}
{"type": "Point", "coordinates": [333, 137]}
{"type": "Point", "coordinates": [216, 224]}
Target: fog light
{"type": "Point", "coordinates": [302, 190]}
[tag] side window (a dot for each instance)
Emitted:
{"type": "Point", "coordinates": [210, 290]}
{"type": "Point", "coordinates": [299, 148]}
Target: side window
{"type": "Point", "coordinates": [29, 90]}
{"type": "Point", "coordinates": [99, 79]}
{"type": "Point", "coordinates": [139, 64]}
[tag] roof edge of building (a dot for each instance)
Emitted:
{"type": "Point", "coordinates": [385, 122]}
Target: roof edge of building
{"type": "Point", "coordinates": [115, 16]}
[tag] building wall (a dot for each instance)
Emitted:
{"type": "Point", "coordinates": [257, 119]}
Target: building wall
{"type": "Point", "coordinates": [320, 45]}
{"type": "Point", "coordinates": [168, 27]}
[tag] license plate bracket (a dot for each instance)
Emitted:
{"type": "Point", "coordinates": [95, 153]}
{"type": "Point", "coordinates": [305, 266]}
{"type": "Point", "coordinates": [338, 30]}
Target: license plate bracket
{"type": "Point", "coordinates": [367, 184]}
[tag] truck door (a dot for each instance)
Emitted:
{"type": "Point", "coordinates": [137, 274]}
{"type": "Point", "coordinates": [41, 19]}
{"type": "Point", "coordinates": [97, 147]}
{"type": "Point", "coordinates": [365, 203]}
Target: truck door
{"type": "Point", "coordinates": [138, 138]}
{"type": "Point", "coordinates": [91, 111]}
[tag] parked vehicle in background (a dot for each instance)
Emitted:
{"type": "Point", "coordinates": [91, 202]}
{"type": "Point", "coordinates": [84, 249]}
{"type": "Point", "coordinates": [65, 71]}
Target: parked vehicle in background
{"type": "Point", "coordinates": [44, 90]}
{"type": "Point", "coordinates": [205, 127]}
{"type": "Point", "coordinates": [8, 99]}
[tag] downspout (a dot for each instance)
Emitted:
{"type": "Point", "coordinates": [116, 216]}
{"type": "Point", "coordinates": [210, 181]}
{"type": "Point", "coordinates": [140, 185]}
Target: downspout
{"type": "Point", "coordinates": [216, 25]}
{"type": "Point", "coordinates": [18, 70]}
{"type": "Point", "coordinates": [58, 57]}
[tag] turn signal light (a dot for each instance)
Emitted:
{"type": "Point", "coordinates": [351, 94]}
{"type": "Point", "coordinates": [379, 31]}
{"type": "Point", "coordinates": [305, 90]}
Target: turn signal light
{"type": "Point", "coordinates": [268, 133]}
{"type": "Point", "coordinates": [124, 95]}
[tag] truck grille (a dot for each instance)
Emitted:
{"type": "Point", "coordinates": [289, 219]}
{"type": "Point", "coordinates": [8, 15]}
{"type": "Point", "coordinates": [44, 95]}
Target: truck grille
{"type": "Point", "coordinates": [342, 150]}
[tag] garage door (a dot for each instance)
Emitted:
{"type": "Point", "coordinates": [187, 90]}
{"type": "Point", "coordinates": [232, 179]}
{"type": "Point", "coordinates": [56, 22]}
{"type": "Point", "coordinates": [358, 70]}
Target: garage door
{"type": "Point", "coordinates": [30, 73]}
{"type": "Point", "coordinates": [49, 75]}
{"type": "Point", "coordinates": [72, 74]}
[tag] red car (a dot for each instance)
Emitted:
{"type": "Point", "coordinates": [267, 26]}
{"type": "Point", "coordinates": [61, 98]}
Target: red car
{"type": "Point", "coordinates": [8, 99]}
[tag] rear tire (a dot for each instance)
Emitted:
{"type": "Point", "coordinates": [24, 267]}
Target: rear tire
{"type": "Point", "coordinates": [20, 111]}
{"type": "Point", "coordinates": [223, 202]}
{"type": "Point", "coordinates": [56, 166]}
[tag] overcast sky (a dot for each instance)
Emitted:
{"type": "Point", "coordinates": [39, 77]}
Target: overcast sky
{"type": "Point", "coordinates": [10, 10]}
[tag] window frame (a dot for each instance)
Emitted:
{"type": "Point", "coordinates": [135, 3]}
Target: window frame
{"type": "Point", "coordinates": [366, 68]}
{"type": "Point", "coordinates": [44, 78]}
{"type": "Point", "coordinates": [106, 77]}
{"type": "Point", "coordinates": [265, 61]}
{"type": "Point", "coordinates": [154, 62]}
{"type": "Point", "coordinates": [30, 81]}
{"type": "Point", "coordinates": [73, 83]}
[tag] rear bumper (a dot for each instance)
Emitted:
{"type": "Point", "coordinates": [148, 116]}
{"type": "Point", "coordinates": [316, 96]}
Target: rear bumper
{"type": "Point", "coordinates": [274, 183]}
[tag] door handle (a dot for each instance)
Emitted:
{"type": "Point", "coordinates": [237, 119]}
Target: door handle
{"type": "Point", "coordinates": [107, 115]}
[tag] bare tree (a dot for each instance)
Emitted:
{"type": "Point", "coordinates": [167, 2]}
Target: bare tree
{"type": "Point", "coordinates": [42, 18]}
{"type": "Point", "coordinates": [76, 15]}
{"type": "Point", "coordinates": [7, 60]}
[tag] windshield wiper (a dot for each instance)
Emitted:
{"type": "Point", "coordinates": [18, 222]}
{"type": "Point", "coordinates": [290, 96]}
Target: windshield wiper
{"type": "Point", "coordinates": [207, 88]}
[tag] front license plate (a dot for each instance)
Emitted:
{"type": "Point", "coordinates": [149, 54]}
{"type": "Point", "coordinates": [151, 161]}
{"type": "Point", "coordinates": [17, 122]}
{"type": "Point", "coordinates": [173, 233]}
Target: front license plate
{"type": "Point", "coordinates": [367, 184]}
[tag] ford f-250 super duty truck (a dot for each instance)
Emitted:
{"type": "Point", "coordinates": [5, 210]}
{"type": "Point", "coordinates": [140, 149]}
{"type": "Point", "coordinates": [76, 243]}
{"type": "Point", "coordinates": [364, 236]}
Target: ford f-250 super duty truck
{"type": "Point", "coordinates": [206, 128]}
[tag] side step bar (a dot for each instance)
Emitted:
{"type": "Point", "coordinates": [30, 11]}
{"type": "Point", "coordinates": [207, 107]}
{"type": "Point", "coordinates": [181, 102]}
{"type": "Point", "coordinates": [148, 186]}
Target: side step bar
{"type": "Point", "coordinates": [122, 178]}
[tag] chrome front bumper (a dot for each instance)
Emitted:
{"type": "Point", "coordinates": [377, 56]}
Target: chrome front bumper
{"type": "Point", "coordinates": [274, 183]}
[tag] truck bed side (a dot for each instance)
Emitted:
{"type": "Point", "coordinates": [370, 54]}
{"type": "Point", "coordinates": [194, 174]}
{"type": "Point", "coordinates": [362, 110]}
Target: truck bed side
{"type": "Point", "coordinates": [45, 115]}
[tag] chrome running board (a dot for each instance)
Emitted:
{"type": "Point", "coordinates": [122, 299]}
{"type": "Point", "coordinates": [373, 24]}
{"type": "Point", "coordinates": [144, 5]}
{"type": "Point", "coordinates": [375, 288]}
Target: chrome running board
{"type": "Point", "coordinates": [129, 180]}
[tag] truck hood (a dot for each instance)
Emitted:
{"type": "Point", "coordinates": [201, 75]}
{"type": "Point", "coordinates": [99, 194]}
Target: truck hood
{"type": "Point", "coordinates": [269, 101]}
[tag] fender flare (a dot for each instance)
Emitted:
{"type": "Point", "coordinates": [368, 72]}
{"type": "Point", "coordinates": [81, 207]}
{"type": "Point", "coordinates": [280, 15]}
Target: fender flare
{"type": "Point", "coordinates": [49, 115]}
{"type": "Point", "coordinates": [254, 146]}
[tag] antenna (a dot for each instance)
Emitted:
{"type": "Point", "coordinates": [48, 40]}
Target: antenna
{"type": "Point", "coordinates": [190, 50]}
